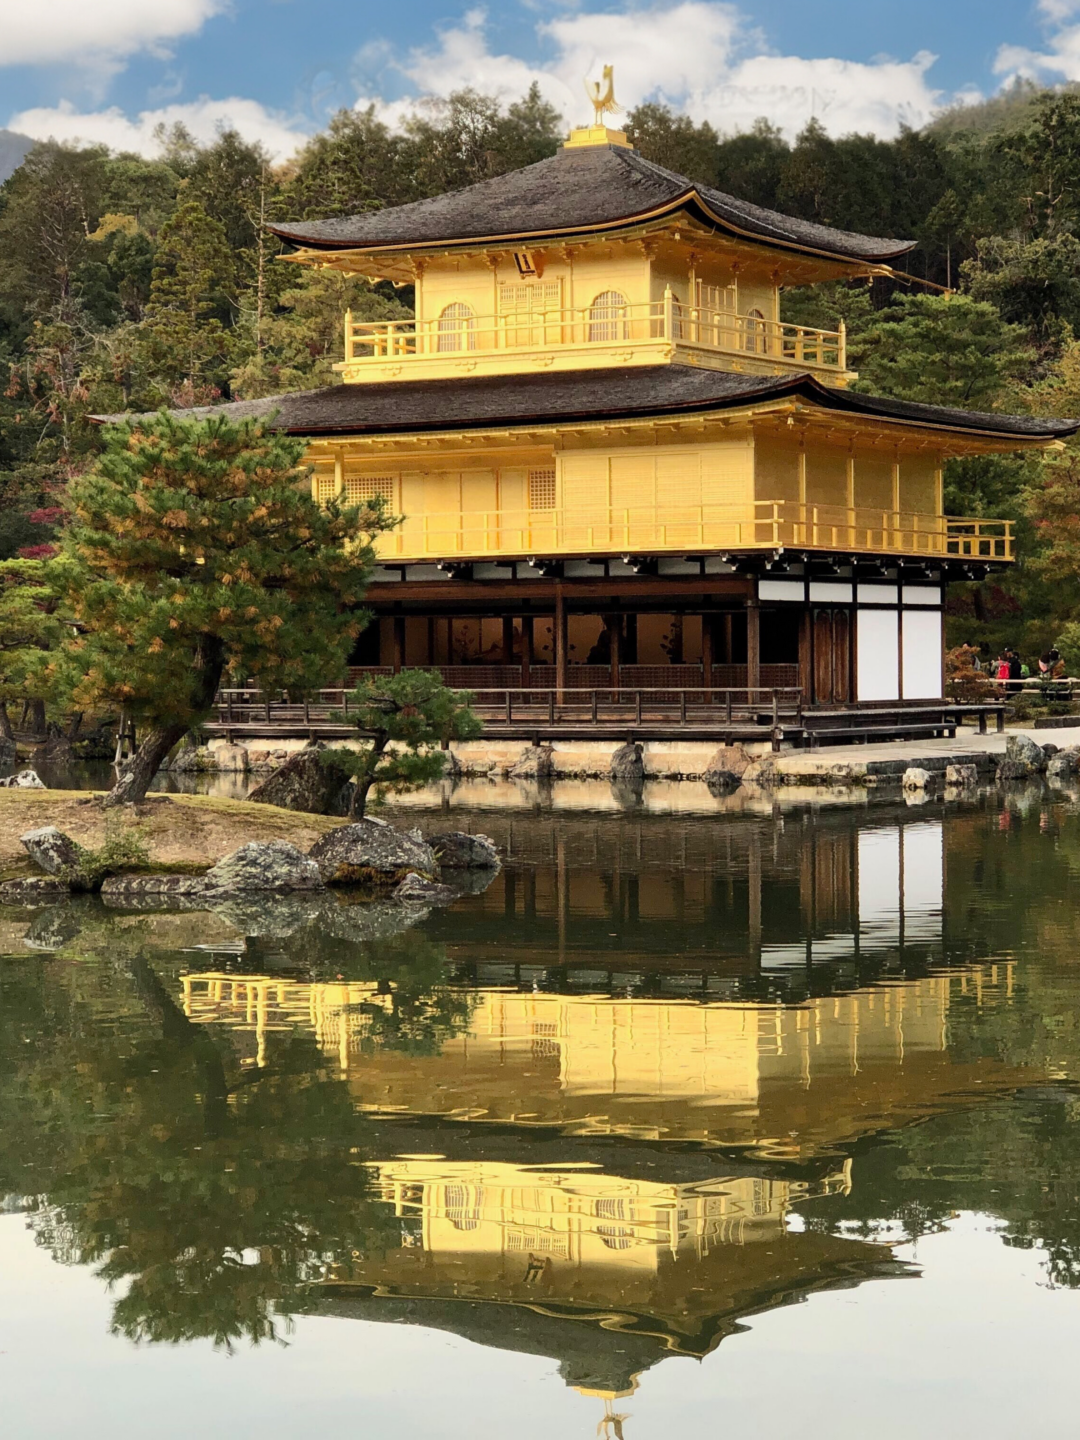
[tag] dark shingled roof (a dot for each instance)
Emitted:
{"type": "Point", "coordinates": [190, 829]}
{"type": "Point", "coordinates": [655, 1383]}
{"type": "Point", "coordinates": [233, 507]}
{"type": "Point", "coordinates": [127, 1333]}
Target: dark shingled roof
{"type": "Point", "coordinates": [398, 407]}
{"type": "Point", "coordinates": [578, 190]}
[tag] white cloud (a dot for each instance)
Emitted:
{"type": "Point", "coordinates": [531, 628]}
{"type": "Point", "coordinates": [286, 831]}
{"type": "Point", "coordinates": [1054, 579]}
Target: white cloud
{"type": "Point", "coordinates": [95, 33]}
{"type": "Point", "coordinates": [203, 117]}
{"type": "Point", "coordinates": [698, 55]}
{"type": "Point", "coordinates": [1061, 58]}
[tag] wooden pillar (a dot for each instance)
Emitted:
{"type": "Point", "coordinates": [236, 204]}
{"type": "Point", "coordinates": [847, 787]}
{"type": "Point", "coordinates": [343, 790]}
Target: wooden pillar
{"type": "Point", "coordinates": [431, 640]}
{"type": "Point", "coordinates": [399, 642]}
{"type": "Point", "coordinates": [708, 645]}
{"type": "Point", "coordinates": [508, 640]}
{"type": "Point", "coordinates": [561, 643]}
{"type": "Point", "coordinates": [729, 638]}
{"type": "Point", "coordinates": [753, 644]}
{"type": "Point", "coordinates": [613, 626]}
{"type": "Point", "coordinates": [526, 649]}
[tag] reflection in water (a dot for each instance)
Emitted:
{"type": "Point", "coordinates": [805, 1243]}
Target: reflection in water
{"type": "Point", "coordinates": [656, 1079]}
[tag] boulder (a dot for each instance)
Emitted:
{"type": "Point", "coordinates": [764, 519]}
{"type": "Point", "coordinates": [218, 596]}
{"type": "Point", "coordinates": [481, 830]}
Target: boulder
{"type": "Point", "coordinates": [536, 762]}
{"type": "Point", "coordinates": [51, 850]}
{"type": "Point", "coordinates": [727, 760]}
{"type": "Point", "coordinates": [228, 759]}
{"type": "Point", "coordinates": [1049, 749]}
{"type": "Point", "coordinates": [24, 780]}
{"type": "Point", "coordinates": [1023, 758]}
{"type": "Point", "coordinates": [457, 850]}
{"type": "Point", "coordinates": [961, 775]}
{"type": "Point", "coordinates": [370, 851]}
{"type": "Point", "coordinates": [260, 758]}
{"type": "Point", "coordinates": [303, 783]}
{"type": "Point", "coordinates": [33, 890]}
{"type": "Point", "coordinates": [188, 760]}
{"type": "Point", "coordinates": [416, 890]}
{"type": "Point", "coordinates": [628, 764]}
{"type": "Point", "coordinates": [917, 779]}
{"type": "Point", "coordinates": [268, 916]}
{"type": "Point", "coordinates": [264, 865]}
{"type": "Point", "coordinates": [1064, 765]}
{"type": "Point", "coordinates": [127, 887]}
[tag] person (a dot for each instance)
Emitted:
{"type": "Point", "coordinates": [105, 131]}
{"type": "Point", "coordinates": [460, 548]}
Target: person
{"type": "Point", "coordinates": [1001, 666]}
{"type": "Point", "coordinates": [1016, 673]}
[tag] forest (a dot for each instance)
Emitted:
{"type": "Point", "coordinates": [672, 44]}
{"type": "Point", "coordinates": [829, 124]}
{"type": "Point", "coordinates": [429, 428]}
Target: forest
{"type": "Point", "coordinates": [129, 283]}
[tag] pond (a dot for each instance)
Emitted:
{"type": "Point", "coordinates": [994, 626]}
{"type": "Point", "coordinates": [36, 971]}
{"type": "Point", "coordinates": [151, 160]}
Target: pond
{"type": "Point", "coordinates": [682, 1125]}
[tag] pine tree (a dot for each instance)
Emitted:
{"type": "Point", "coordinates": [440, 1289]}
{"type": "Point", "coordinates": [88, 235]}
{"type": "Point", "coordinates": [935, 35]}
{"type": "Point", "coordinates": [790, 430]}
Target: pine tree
{"type": "Point", "coordinates": [405, 718]}
{"type": "Point", "coordinates": [31, 626]}
{"type": "Point", "coordinates": [193, 276]}
{"type": "Point", "coordinates": [195, 551]}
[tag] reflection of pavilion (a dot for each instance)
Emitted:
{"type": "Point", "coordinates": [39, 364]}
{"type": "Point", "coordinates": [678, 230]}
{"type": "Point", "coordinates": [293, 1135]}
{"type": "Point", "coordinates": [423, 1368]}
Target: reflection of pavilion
{"type": "Point", "coordinates": [785, 1078]}
{"type": "Point", "coordinates": [605, 1274]}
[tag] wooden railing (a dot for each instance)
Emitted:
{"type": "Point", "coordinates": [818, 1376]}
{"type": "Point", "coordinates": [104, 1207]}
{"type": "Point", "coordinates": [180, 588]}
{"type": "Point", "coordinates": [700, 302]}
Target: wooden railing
{"type": "Point", "coordinates": [652, 529]}
{"type": "Point", "coordinates": [799, 346]}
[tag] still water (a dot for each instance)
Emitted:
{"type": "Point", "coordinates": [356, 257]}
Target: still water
{"type": "Point", "coordinates": [680, 1126]}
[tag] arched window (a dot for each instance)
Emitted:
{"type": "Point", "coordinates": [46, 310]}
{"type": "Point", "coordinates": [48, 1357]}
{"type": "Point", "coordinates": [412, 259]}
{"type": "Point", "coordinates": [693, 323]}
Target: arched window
{"type": "Point", "coordinates": [754, 334]}
{"type": "Point", "coordinates": [607, 317]}
{"type": "Point", "coordinates": [456, 328]}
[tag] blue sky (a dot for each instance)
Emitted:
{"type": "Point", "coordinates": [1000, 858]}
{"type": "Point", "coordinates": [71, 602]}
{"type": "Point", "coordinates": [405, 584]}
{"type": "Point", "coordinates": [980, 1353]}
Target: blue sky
{"type": "Point", "coordinates": [112, 69]}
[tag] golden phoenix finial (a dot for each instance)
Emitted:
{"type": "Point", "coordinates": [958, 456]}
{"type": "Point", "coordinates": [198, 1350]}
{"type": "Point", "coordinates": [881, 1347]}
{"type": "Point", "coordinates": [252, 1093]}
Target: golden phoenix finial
{"type": "Point", "coordinates": [601, 94]}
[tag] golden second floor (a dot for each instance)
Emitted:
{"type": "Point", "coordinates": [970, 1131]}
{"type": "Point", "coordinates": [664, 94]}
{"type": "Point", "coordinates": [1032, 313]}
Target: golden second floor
{"type": "Point", "coordinates": [682, 488]}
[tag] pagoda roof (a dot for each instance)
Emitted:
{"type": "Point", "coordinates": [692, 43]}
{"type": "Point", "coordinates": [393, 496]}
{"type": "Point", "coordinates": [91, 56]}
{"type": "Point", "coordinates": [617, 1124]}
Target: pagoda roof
{"type": "Point", "coordinates": [397, 407]}
{"type": "Point", "coordinates": [583, 189]}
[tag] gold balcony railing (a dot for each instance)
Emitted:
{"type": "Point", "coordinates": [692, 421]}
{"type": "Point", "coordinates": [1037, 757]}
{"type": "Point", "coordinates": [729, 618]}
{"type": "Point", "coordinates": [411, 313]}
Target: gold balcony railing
{"type": "Point", "coordinates": [597, 326]}
{"type": "Point", "coordinates": [651, 529]}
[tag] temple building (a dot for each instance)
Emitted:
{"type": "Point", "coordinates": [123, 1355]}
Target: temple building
{"type": "Point", "coordinates": [617, 465]}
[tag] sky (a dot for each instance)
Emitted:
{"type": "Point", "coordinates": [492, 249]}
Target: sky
{"type": "Point", "coordinates": [113, 70]}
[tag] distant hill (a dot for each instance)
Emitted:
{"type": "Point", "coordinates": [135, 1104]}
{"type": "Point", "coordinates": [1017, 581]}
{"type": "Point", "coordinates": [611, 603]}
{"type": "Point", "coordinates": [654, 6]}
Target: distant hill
{"type": "Point", "coordinates": [13, 148]}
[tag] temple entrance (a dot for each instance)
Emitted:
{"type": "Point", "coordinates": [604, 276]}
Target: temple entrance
{"type": "Point", "coordinates": [830, 638]}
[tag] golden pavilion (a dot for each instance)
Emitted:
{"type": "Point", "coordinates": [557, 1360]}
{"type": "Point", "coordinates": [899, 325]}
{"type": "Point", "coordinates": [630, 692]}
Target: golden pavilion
{"type": "Point", "coordinates": [616, 464]}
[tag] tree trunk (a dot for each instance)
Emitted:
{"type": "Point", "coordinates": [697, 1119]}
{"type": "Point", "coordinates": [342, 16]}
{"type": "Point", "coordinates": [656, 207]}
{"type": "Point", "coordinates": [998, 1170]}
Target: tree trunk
{"type": "Point", "coordinates": [363, 786]}
{"type": "Point", "coordinates": [74, 725]}
{"type": "Point", "coordinates": [6, 732]}
{"type": "Point", "coordinates": [37, 717]}
{"type": "Point", "coordinates": [144, 764]}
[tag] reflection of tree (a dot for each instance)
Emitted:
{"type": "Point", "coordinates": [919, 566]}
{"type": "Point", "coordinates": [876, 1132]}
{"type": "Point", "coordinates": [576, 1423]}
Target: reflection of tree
{"type": "Point", "coordinates": [214, 1194]}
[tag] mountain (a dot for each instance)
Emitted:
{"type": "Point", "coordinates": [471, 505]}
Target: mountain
{"type": "Point", "coordinates": [13, 148]}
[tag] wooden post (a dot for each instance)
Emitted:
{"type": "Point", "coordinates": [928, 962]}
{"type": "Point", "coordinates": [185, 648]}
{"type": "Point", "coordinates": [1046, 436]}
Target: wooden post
{"type": "Point", "coordinates": [508, 640]}
{"type": "Point", "coordinates": [613, 625]}
{"type": "Point", "coordinates": [399, 643]}
{"type": "Point", "coordinates": [431, 640]}
{"type": "Point", "coordinates": [560, 643]}
{"type": "Point", "coordinates": [753, 646]}
{"type": "Point", "coordinates": [526, 651]}
{"type": "Point", "coordinates": [708, 653]}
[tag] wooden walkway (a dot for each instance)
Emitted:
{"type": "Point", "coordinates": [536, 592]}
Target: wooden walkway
{"type": "Point", "coordinates": [537, 714]}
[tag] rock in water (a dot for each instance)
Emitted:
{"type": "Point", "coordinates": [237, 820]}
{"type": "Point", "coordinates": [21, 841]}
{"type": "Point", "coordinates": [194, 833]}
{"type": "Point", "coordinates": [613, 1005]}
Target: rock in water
{"type": "Point", "coordinates": [303, 783]}
{"type": "Point", "coordinates": [24, 780]}
{"type": "Point", "coordinates": [457, 850]}
{"type": "Point", "coordinates": [33, 890]}
{"type": "Point", "coordinates": [1023, 758]}
{"type": "Point", "coordinates": [627, 764]}
{"type": "Point", "coordinates": [917, 779]}
{"type": "Point", "coordinates": [369, 851]}
{"type": "Point", "coordinates": [961, 775]}
{"type": "Point", "coordinates": [264, 865]}
{"type": "Point", "coordinates": [51, 850]}
{"type": "Point", "coordinates": [414, 889]}
{"type": "Point", "coordinates": [125, 887]}
{"type": "Point", "coordinates": [1064, 765]}
{"type": "Point", "coordinates": [536, 762]}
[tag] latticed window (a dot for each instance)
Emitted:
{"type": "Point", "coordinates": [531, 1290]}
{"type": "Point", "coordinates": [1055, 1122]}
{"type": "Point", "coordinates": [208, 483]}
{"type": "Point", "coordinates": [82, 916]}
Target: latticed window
{"type": "Point", "coordinates": [615, 1237]}
{"type": "Point", "coordinates": [325, 486]}
{"type": "Point", "coordinates": [532, 296]}
{"type": "Point", "coordinates": [456, 328]}
{"type": "Point", "coordinates": [541, 489]}
{"type": "Point", "coordinates": [607, 317]}
{"type": "Point", "coordinates": [363, 489]}
{"type": "Point", "coordinates": [754, 334]}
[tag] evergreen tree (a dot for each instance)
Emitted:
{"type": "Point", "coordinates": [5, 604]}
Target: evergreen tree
{"type": "Point", "coordinates": [31, 625]}
{"type": "Point", "coordinates": [404, 719]}
{"type": "Point", "coordinates": [195, 551]}
{"type": "Point", "coordinates": [193, 275]}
